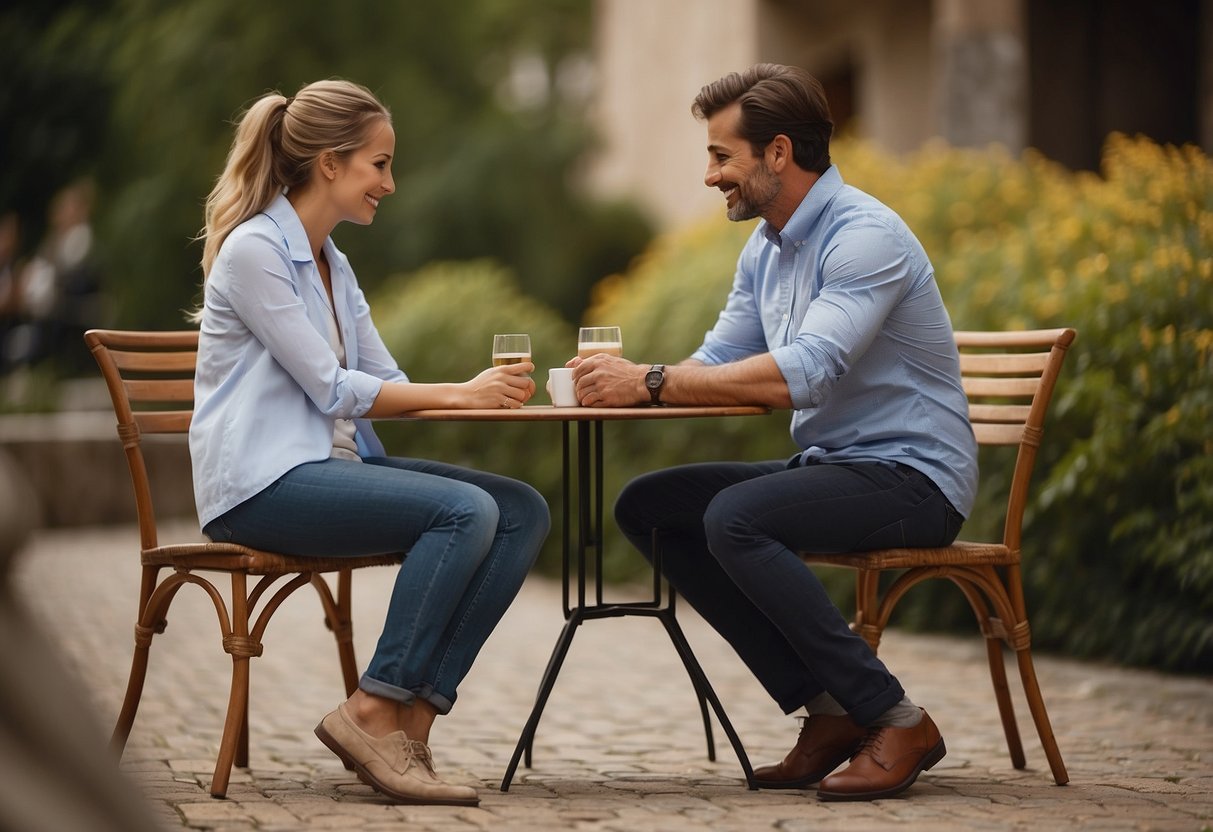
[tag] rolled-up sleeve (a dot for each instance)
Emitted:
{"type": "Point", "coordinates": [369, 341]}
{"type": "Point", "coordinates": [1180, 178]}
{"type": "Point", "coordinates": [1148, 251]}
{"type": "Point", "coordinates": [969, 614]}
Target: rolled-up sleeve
{"type": "Point", "coordinates": [803, 367]}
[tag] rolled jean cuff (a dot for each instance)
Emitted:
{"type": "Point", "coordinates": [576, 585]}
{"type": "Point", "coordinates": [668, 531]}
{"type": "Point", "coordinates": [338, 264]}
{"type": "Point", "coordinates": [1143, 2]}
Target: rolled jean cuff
{"type": "Point", "coordinates": [375, 687]}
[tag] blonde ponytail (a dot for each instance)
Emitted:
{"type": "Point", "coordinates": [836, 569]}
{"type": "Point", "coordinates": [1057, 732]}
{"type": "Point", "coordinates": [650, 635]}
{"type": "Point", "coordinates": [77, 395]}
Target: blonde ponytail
{"type": "Point", "coordinates": [247, 184]}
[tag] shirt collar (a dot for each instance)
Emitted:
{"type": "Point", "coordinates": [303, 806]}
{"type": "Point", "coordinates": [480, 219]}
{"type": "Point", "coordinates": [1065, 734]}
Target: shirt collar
{"type": "Point", "coordinates": [804, 218]}
{"type": "Point", "coordinates": [283, 214]}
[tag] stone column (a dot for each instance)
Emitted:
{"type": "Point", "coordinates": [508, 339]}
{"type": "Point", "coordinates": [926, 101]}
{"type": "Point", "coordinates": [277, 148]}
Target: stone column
{"type": "Point", "coordinates": [981, 72]}
{"type": "Point", "coordinates": [652, 57]}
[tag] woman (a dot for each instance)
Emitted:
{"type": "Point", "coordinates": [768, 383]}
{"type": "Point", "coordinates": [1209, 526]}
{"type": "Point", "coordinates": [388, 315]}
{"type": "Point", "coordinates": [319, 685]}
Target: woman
{"type": "Point", "coordinates": [289, 367]}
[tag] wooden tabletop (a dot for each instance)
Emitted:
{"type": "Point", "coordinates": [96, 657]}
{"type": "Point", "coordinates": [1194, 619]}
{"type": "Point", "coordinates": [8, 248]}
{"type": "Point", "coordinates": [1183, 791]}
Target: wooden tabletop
{"type": "Point", "coordinates": [548, 413]}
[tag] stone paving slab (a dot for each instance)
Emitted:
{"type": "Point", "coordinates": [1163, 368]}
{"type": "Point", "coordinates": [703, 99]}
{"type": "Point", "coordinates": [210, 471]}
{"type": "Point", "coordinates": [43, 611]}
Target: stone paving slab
{"type": "Point", "coordinates": [621, 744]}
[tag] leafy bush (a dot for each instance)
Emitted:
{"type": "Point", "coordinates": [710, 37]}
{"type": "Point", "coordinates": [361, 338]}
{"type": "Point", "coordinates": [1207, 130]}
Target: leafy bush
{"type": "Point", "coordinates": [439, 324]}
{"type": "Point", "coordinates": [1119, 533]}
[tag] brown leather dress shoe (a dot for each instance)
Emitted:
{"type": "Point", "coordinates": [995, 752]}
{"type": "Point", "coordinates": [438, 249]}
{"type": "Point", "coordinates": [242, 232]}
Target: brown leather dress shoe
{"type": "Point", "coordinates": [825, 742]}
{"type": "Point", "coordinates": [889, 760]}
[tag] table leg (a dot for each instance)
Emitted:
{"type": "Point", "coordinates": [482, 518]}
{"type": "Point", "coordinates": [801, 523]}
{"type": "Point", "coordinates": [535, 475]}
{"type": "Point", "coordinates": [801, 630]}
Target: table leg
{"type": "Point", "coordinates": [705, 693]}
{"type": "Point", "coordinates": [545, 690]}
{"type": "Point", "coordinates": [589, 535]}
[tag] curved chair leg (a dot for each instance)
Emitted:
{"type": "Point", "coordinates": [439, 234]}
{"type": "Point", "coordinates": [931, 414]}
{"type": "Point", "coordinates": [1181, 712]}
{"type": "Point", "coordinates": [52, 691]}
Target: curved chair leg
{"type": "Point", "coordinates": [134, 690]}
{"type": "Point", "coordinates": [867, 607]}
{"type": "Point", "coordinates": [1036, 704]}
{"type": "Point", "coordinates": [241, 759]}
{"type": "Point", "coordinates": [236, 708]}
{"type": "Point", "coordinates": [242, 648]}
{"type": "Point", "coordinates": [139, 661]}
{"type": "Point", "coordinates": [343, 630]}
{"type": "Point", "coordinates": [979, 587]}
{"type": "Point", "coordinates": [1002, 693]}
{"type": "Point", "coordinates": [338, 618]}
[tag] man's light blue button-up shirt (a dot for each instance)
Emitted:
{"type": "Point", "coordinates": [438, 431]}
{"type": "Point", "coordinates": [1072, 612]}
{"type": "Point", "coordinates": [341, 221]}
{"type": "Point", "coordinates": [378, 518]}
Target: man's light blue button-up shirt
{"type": "Point", "coordinates": [844, 299]}
{"type": "Point", "coordinates": [268, 386]}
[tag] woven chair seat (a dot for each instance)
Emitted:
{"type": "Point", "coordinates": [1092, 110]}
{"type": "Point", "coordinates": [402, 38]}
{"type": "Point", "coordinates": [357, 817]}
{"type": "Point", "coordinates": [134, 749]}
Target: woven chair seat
{"type": "Point", "coordinates": [960, 553]}
{"type": "Point", "coordinates": [229, 557]}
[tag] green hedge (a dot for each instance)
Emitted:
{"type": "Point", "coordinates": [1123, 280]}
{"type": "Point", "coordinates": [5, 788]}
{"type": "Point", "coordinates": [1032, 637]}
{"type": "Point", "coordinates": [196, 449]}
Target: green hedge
{"type": "Point", "coordinates": [1119, 534]}
{"type": "Point", "coordinates": [439, 324]}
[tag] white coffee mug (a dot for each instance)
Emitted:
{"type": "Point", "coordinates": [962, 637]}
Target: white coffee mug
{"type": "Point", "coordinates": [560, 387]}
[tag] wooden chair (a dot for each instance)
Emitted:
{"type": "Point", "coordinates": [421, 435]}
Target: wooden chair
{"type": "Point", "coordinates": [1009, 379]}
{"type": "Point", "coordinates": [150, 376]}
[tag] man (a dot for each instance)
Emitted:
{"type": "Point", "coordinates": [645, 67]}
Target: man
{"type": "Point", "coordinates": [835, 314]}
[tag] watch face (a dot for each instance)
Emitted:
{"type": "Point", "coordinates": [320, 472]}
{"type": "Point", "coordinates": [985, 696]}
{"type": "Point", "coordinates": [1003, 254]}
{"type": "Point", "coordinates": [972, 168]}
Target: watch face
{"type": "Point", "coordinates": [652, 379]}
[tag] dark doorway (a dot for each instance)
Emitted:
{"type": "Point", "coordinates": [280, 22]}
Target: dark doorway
{"type": "Point", "coordinates": [1098, 66]}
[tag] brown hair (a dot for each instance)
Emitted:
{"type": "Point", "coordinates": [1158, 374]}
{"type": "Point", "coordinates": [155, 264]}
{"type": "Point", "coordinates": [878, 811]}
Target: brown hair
{"type": "Point", "coordinates": [277, 141]}
{"type": "Point", "coordinates": [775, 99]}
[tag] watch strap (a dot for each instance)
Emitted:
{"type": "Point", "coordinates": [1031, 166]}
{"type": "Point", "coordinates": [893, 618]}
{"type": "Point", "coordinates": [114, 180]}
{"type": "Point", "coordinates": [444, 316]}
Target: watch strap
{"type": "Point", "coordinates": [655, 390]}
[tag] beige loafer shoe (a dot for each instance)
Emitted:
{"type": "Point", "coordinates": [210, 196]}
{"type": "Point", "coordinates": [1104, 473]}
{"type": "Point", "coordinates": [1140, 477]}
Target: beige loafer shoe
{"type": "Point", "coordinates": [393, 765]}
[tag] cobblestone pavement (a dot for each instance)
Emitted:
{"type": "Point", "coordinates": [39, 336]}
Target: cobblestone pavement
{"type": "Point", "coordinates": [621, 744]}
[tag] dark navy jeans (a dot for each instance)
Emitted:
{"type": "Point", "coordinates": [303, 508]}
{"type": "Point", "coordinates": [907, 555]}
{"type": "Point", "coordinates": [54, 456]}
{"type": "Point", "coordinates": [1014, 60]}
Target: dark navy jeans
{"type": "Point", "coordinates": [471, 538]}
{"type": "Point", "coordinates": [729, 534]}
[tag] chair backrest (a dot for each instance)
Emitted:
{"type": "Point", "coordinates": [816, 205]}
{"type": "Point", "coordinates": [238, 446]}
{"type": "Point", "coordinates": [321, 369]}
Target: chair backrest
{"type": "Point", "coordinates": [150, 377]}
{"type": "Point", "coordinates": [1009, 379]}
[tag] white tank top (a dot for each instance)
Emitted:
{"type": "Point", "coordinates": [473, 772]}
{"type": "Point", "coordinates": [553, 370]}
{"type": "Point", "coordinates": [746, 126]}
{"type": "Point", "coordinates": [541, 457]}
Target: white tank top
{"type": "Point", "coordinates": [344, 446]}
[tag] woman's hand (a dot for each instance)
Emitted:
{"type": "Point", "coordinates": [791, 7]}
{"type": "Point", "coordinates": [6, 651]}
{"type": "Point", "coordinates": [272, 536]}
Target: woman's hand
{"type": "Point", "coordinates": [508, 386]}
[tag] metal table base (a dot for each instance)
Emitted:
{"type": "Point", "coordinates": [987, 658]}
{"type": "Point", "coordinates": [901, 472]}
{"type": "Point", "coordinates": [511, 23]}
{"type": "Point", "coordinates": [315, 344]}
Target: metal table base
{"type": "Point", "coordinates": [582, 532]}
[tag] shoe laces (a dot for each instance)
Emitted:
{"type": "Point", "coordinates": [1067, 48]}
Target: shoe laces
{"type": "Point", "coordinates": [872, 741]}
{"type": "Point", "coordinates": [419, 751]}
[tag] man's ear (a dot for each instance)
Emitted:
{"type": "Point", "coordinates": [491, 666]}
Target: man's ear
{"type": "Point", "coordinates": [778, 153]}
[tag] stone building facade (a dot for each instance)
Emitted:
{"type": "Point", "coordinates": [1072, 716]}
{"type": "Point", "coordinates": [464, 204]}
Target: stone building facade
{"type": "Point", "coordinates": [1056, 75]}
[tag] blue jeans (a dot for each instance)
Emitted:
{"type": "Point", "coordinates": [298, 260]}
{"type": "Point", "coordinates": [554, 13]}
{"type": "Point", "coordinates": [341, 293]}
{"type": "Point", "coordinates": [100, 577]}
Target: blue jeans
{"type": "Point", "coordinates": [471, 538]}
{"type": "Point", "coordinates": [729, 534]}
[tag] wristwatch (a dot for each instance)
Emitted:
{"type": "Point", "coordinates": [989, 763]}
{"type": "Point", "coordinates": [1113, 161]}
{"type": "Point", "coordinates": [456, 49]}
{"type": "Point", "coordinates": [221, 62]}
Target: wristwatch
{"type": "Point", "coordinates": [653, 380]}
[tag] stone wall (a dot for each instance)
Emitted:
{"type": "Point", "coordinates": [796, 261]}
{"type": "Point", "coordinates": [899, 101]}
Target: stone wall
{"type": "Point", "coordinates": [75, 469]}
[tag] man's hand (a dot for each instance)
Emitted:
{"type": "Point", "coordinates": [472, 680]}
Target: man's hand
{"type": "Point", "coordinates": [608, 381]}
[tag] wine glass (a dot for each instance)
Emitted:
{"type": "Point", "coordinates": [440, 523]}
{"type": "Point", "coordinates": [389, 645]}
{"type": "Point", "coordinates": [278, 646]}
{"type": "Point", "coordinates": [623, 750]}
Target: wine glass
{"type": "Point", "coordinates": [592, 340]}
{"type": "Point", "coordinates": [513, 348]}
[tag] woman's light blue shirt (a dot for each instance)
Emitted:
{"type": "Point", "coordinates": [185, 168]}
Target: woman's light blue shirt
{"type": "Point", "coordinates": [268, 386]}
{"type": "Point", "coordinates": [845, 301]}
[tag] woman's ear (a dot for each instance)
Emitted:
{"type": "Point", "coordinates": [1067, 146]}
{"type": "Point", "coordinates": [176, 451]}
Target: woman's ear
{"type": "Point", "coordinates": [327, 162]}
